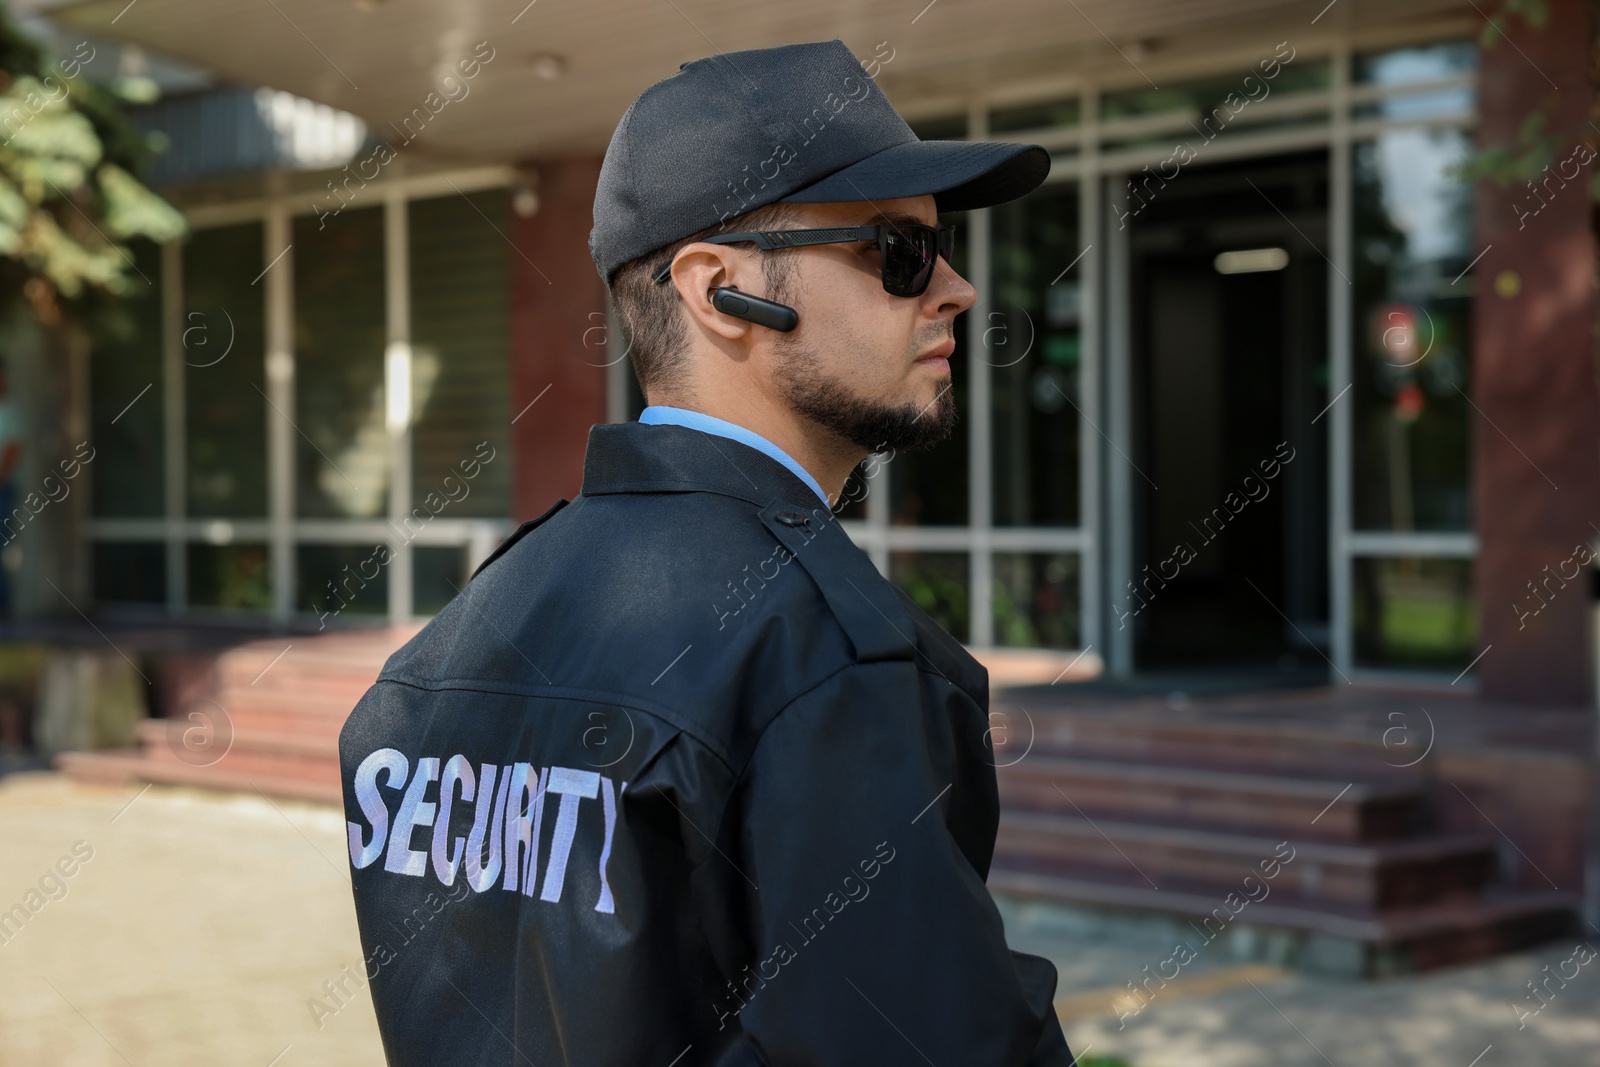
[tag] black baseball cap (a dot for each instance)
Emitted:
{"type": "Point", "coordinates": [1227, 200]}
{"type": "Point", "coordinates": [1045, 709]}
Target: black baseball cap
{"type": "Point", "coordinates": [802, 123]}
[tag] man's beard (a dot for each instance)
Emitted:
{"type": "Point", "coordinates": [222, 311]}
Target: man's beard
{"type": "Point", "coordinates": [867, 423]}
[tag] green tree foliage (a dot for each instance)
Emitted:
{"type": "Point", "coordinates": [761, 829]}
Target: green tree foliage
{"type": "Point", "coordinates": [68, 196]}
{"type": "Point", "coordinates": [1535, 147]}
{"type": "Point", "coordinates": [1526, 158]}
{"type": "Point", "coordinates": [1535, 12]}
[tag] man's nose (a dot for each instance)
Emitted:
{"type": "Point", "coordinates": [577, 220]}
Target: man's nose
{"type": "Point", "coordinates": [950, 290]}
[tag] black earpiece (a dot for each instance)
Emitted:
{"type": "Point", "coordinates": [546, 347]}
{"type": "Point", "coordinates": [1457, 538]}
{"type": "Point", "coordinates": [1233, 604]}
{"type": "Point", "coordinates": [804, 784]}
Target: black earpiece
{"type": "Point", "coordinates": [730, 301]}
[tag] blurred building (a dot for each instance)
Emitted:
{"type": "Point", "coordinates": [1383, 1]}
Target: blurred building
{"type": "Point", "coordinates": [1254, 380]}
{"type": "Point", "coordinates": [1258, 390]}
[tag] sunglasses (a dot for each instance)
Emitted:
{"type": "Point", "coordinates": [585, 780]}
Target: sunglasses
{"type": "Point", "coordinates": [910, 250]}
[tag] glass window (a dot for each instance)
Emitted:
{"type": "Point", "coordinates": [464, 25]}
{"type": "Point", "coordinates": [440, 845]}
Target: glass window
{"type": "Point", "coordinates": [437, 574]}
{"type": "Point", "coordinates": [342, 443]}
{"type": "Point", "coordinates": [940, 583]}
{"type": "Point", "coordinates": [1411, 364]}
{"type": "Point", "coordinates": [1424, 105]}
{"type": "Point", "coordinates": [230, 576]}
{"type": "Point", "coordinates": [1425, 63]}
{"type": "Point", "coordinates": [1034, 348]}
{"type": "Point", "coordinates": [929, 487]}
{"type": "Point", "coordinates": [1036, 116]}
{"type": "Point", "coordinates": [1418, 66]}
{"type": "Point", "coordinates": [339, 580]}
{"type": "Point", "coordinates": [1036, 599]}
{"type": "Point", "coordinates": [1205, 94]}
{"type": "Point", "coordinates": [130, 572]}
{"type": "Point", "coordinates": [861, 482]}
{"type": "Point", "coordinates": [460, 319]}
{"type": "Point", "coordinates": [1217, 106]}
{"type": "Point", "coordinates": [126, 397]}
{"type": "Point", "coordinates": [1414, 613]}
{"type": "Point", "coordinates": [223, 345]}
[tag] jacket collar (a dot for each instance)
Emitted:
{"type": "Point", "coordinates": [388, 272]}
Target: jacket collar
{"type": "Point", "coordinates": [634, 457]}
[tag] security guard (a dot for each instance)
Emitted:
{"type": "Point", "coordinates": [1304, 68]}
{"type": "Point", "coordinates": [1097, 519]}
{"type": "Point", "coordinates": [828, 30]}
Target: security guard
{"type": "Point", "coordinates": [680, 778]}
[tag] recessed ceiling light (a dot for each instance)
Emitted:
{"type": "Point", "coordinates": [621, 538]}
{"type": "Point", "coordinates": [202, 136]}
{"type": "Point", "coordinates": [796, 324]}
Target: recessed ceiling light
{"type": "Point", "coordinates": [1251, 260]}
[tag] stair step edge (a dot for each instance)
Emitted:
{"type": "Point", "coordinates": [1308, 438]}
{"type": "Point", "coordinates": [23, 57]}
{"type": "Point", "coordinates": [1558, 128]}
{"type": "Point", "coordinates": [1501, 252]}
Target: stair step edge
{"type": "Point", "coordinates": [1245, 844]}
{"type": "Point", "coordinates": [136, 767]}
{"type": "Point", "coordinates": [1381, 928]}
{"type": "Point", "coordinates": [1230, 780]}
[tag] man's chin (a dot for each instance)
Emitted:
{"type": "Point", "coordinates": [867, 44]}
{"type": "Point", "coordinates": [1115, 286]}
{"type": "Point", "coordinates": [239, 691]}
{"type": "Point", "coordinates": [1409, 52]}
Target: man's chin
{"type": "Point", "coordinates": [911, 427]}
{"type": "Point", "coordinates": [875, 424]}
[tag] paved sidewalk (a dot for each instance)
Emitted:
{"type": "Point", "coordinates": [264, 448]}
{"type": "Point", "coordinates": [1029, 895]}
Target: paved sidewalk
{"type": "Point", "coordinates": [1226, 1012]}
{"type": "Point", "coordinates": [192, 936]}
{"type": "Point", "coordinates": [201, 925]}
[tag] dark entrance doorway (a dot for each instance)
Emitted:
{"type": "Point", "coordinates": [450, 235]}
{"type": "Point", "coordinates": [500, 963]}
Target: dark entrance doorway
{"type": "Point", "coordinates": [1228, 292]}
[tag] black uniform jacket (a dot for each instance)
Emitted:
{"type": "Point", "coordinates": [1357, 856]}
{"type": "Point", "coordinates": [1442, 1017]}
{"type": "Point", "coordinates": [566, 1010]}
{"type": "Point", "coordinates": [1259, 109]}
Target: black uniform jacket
{"type": "Point", "coordinates": [679, 778]}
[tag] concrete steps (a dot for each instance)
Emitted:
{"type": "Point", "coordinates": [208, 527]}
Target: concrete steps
{"type": "Point", "coordinates": [266, 718]}
{"type": "Point", "coordinates": [123, 766]}
{"type": "Point", "coordinates": [1350, 880]}
{"type": "Point", "coordinates": [1306, 808]}
{"type": "Point", "coordinates": [1115, 810]}
{"type": "Point", "coordinates": [1412, 939]}
{"type": "Point", "coordinates": [1273, 744]}
{"type": "Point", "coordinates": [308, 756]}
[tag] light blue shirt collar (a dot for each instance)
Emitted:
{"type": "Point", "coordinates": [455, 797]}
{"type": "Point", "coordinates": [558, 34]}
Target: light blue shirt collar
{"type": "Point", "coordinates": [658, 414]}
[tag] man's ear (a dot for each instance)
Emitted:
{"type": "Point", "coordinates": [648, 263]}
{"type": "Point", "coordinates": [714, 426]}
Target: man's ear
{"type": "Point", "coordinates": [698, 268]}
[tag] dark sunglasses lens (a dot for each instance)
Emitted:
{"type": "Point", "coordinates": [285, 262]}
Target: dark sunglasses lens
{"type": "Point", "coordinates": [908, 260]}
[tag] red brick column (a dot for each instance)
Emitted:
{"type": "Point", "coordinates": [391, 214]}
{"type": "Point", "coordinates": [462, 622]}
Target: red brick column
{"type": "Point", "coordinates": [1536, 445]}
{"type": "Point", "coordinates": [556, 295]}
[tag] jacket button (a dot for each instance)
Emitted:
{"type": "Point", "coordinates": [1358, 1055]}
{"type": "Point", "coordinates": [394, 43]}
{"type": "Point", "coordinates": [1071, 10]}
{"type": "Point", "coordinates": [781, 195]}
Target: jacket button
{"type": "Point", "coordinates": [793, 518]}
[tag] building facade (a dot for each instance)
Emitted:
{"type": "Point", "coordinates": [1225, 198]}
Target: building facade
{"type": "Point", "coordinates": [1255, 380]}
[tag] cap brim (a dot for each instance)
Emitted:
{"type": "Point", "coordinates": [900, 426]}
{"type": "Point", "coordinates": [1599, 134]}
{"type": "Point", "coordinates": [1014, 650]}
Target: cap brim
{"type": "Point", "coordinates": [959, 174]}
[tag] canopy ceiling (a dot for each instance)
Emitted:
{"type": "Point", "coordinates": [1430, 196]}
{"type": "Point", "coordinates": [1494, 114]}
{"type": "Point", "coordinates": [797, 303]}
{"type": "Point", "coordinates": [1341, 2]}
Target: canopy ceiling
{"type": "Point", "coordinates": [380, 58]}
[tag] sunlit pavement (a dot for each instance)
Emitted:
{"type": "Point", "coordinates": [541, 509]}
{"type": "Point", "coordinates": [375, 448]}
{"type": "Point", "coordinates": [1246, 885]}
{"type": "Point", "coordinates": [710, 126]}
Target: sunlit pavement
{"type": "Point", "coordinates": [195, 934]}
{"type": "Point", "coordinates": [1225, 1012]}
{"type": "Point", "coordinates": [202, 926]}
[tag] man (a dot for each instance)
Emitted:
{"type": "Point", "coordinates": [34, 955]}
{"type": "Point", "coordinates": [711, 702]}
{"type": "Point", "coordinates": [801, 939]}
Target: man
{"type": "Point", "coordinates": [680, 778]}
